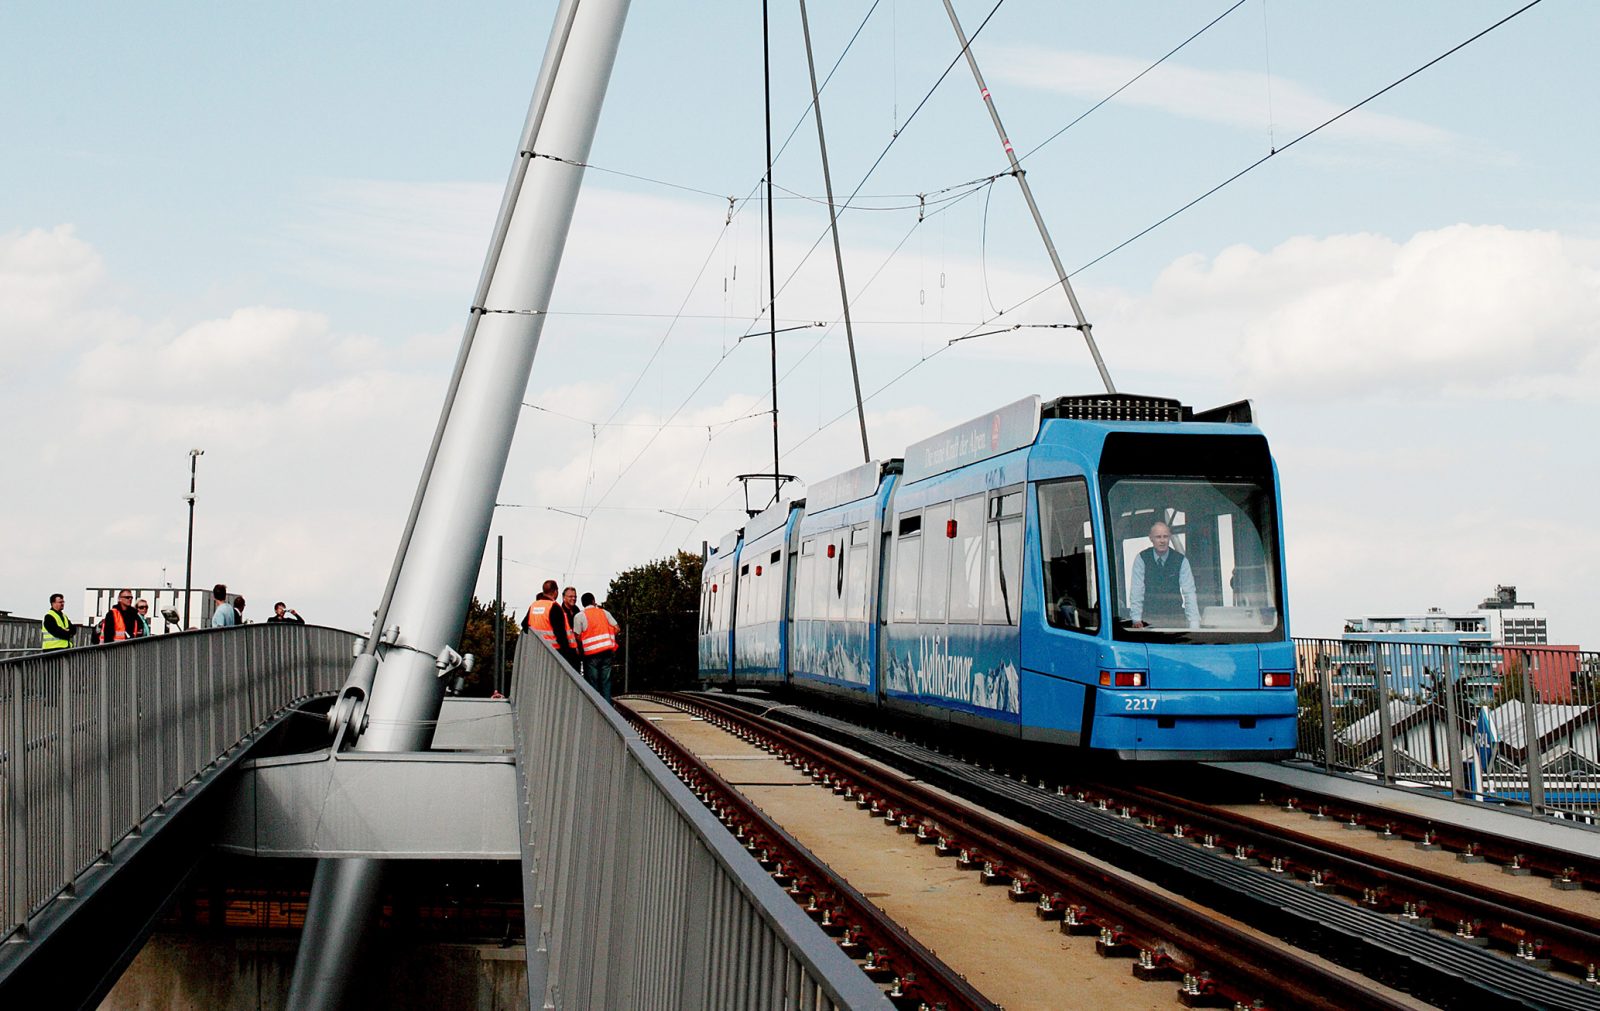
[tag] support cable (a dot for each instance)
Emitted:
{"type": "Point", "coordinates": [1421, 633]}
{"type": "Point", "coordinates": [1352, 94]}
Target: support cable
{"type": "Point", "coordinates": [1278, 151]}
{"type": "Point", "coordinates": [1084, 326]}
{"type": "Point", "coordinates": [886, 148]}
{"type": "Point", "coordinates": [1050, 287]}
{"type": "Point", "coordinates": [772, 270]}
{"type": "Point", "coordinates": [833, 224]}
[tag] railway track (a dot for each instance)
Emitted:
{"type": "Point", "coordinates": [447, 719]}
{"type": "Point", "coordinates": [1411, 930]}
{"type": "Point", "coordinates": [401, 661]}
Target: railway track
{"type": "Point", "coordinates": [1291, 889]}
{"type": "Point", "coordinates": [914, 979]}
{"type": "Point", "coordinates": [1565, 870]}
{"type": "Point", "coordinates": [1521, 927]}
{"type": "Point", "coordinates": [1214, 963]}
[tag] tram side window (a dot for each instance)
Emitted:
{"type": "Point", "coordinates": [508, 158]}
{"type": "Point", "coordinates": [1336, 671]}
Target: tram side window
{"type": "Point", "coordinates": [772, 587]}
{"type": "Point", "coordinates": [855, 578]}
{"type": "Point", "coordinates": [934, 589]}
{"type": "Point", "coordinates": [742, 608]}
{"type": "Point", "coordinates": [1002, 564]}
{"type": "Point", "coordinates": [907, 562]}
{"type": "Point", "coordinates": [822, 567]}
{"type": "Point", "coordinates": [804, 576]}
{"type": "Point", "coordinates": [1066, 541]}
{"type": "Point", "coordinates": [966, 562]}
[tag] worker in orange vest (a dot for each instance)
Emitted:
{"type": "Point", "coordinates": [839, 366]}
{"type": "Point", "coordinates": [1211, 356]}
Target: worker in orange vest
{"type": "Point", "coordinates": [547, 619]}
{"type": "Point", "coordinates": [122, 621]}
{"type": "Point", "coordinates": [597, 630]}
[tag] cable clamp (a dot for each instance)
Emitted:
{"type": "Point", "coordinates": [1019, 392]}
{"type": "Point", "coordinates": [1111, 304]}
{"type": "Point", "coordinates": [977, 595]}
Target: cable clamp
{"type": "Point", "coordinates": [922, 206]}
{"type": "Point", "coordinates": [729, 219]}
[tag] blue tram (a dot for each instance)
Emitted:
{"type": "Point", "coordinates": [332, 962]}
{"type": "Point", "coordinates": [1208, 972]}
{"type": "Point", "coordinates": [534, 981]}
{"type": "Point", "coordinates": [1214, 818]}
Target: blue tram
{"type": "Point", "coordinates": [1101, 571]}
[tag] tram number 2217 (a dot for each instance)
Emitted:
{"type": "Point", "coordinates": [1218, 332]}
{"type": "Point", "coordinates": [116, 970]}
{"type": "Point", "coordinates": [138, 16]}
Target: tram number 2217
{"type": "Point", "coordinates": [1137, 703]}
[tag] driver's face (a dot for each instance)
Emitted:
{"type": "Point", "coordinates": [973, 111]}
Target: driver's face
{"type": "Point", "coordinates": [1161, 537]}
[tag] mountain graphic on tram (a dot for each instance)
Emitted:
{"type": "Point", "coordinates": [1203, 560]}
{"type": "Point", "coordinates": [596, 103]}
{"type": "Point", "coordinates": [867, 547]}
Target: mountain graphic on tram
{"type": "Point", "coordinates": [1103, 572]}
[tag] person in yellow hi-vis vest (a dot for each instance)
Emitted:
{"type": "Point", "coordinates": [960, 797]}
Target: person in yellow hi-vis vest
{"type": "Point", "coordinates": [55, 631]}
{"type": "Point", "coordinates": [597, 632]}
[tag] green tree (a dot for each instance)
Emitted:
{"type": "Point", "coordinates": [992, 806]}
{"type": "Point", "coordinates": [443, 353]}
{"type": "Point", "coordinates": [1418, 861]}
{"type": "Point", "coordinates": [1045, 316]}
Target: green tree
{"type": "Point", "coordinates": [477, 638]}
{"type": "Point", "coordinates": [657, 604]}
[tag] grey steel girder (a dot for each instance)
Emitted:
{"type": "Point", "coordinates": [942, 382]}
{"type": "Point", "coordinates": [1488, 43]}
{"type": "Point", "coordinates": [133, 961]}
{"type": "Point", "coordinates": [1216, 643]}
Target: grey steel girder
{"type": "Point", "coordinates": [386, 805]}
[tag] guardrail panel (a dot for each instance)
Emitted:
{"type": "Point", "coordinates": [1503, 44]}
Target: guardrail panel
{"type": "Point", "coordinates": [1404, 710]}
{"type": "Point", "coordinates": [92, 740]}
{"type": "Point", "coordinates": [635, 895]}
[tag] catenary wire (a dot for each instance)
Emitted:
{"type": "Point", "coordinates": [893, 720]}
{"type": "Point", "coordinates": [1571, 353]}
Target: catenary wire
{"type": "Point", "coordinates": [1126, 84]}
{"type": "Point", "coordinates": [974, 332]}
{"type": "Point", "coordinates": [1053, 285]}
{"type": "Point", "coordinates": [1278, 151]}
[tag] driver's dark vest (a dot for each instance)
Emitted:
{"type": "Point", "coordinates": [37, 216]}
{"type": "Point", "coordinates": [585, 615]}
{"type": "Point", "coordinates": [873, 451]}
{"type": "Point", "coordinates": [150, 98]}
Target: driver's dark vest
{"type": "Point", "coordinates": [1163, 603]}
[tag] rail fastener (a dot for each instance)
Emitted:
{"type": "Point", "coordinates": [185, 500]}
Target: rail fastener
{"type": "Point", "coordinates": [1155, 966]}
{"type": "Point", "coordinates": [1022, 890]}
{"type": "Point", "coordinates": [1200, 990]}
{"type": "Point", "coordinates": [1114, 943]}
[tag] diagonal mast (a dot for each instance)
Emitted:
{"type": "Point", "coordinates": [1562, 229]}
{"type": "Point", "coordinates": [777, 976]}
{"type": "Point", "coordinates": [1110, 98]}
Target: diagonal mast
{"type": "Point", "coordinates": [392, 698]}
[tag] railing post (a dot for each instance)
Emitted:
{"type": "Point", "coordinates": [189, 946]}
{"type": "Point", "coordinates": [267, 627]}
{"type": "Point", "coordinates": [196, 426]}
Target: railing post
{"type": "Point", "coordinates": [69, 820]}
{"type": "Point", "coordinates": [1380, 674]}
{"type": "Point", "coordinates": [1452, 721]}
{"type": "Point", "coordinates": [159, 719]}
{"type": "Point", "coordinates": [103, 685]}
{"type": "Point", "coordinates": [1326, 678]}
{"type": "Point", "coordinates": [1530, 717]}
{"type": "Point", "coordinates": [15, 856]}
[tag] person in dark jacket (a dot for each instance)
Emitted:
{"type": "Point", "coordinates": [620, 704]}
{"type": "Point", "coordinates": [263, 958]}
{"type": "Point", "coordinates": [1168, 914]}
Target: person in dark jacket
{"type": "Point", "coordinates": [1161, 590]}
{"type": "Point", "coordinates": [122, 622]}
{"type": "Point", "coordinates": [561, 627]}
{"type": "Point", "coordinates": [279, 617]}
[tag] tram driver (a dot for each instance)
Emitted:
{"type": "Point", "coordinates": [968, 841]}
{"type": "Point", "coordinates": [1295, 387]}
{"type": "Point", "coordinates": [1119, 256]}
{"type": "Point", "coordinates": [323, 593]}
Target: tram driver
{"type": "Point", "coordinates": [1161, 591]}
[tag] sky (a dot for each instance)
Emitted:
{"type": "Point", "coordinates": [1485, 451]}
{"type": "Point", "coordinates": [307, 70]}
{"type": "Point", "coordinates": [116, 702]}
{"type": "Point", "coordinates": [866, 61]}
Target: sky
{"type": "Point", "coordinates": [256, 230]}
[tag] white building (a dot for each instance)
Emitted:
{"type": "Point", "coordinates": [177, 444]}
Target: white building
{"type": "Point", "coordinates": [1513, 622]}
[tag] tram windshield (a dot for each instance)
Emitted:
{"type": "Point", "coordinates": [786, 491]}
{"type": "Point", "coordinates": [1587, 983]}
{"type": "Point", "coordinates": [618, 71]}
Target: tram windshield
{"type": "Point", "coordinates": [1193, 559]}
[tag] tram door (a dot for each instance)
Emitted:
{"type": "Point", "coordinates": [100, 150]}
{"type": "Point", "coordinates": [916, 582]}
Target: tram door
{"type": "Point", "coordinates": [880, 617]}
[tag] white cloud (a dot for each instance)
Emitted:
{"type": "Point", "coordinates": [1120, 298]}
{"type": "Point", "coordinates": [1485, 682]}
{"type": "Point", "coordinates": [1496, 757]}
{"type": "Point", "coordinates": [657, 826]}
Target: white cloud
{"type": "Point", "coordinates": [1236, 98]}
{"type": "Point", "coordinates": [50, 283]}
{"type": "Point", "coordinates": [1466, 310]}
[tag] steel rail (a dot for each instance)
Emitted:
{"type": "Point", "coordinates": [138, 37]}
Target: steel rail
{"type": "Point", "coordinates": [1396, 950]}
{"type": "Point", "coordinates": [1510, 921]}
{"type": "Point", "coordinates": [917, 977]}
{"type": "Point", "coordinates": [1578, 870]}
{"type": "Point", "coordinates": [1219, 964]}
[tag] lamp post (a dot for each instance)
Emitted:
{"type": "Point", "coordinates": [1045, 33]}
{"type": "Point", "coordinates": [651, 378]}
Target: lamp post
{"type": "Point", "coordinates": [188, 554]}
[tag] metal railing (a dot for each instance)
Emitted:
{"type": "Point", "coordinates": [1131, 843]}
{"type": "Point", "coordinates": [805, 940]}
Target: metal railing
{"type": "Point", "coordinates": [1518, 725]}
{"type": "Point", "coordinates": [18, 635]}
{"type": "Point", "coordinates": [635, 895]}
{"type": "Point", "coordinates": [94, 741]}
